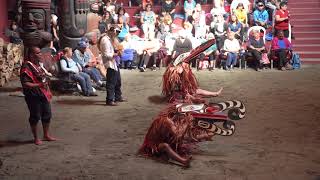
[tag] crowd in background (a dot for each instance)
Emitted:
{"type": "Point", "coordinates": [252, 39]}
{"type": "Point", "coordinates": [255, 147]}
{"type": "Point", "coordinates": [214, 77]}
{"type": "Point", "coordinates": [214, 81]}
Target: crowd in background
{"type": "Point", "coordinates": [162, 39]}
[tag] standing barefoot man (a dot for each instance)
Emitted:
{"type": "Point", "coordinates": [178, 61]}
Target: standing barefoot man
{"type": "Point", "coordinates": [37, 94]}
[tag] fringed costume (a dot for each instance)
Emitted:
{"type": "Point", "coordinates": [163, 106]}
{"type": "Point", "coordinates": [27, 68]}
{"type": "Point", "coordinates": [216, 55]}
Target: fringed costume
{"type": "Point", "coordinates": [188, 120]}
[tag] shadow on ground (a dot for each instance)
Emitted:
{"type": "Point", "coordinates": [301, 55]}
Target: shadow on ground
{"type": "Point", "coordinates": [14, 143]}
{"type": "Point", "coordinates": [80, 102]}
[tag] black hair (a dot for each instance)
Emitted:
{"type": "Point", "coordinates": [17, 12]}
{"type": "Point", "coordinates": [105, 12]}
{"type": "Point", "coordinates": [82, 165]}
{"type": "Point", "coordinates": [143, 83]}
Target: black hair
{"type": "Point", "coordinates": [282, 3]}
{"type": "Point", "coordinates": [148, 5]}
{"type": "Point", "coordinates": [121, 8]}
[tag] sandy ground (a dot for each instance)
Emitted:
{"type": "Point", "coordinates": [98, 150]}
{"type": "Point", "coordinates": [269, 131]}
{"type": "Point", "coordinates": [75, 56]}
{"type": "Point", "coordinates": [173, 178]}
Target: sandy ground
{"type": "Point", "coordinates": [278, 140]}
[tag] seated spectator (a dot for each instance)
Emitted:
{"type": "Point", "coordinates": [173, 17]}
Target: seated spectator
{"type": "Point", "coordinates": [199, 22]}
{"type": "Point", "coordinates": [110, 7]}
{"type": "Point", "coordinates": [280, 45]}
{"type": "Point", "coordinates": [261, 16]}
{"type": "Point", "coordinates": [241, 14]}
{"type": "Point", "coordinates": [150, 50]}
{"type": "Point", "coordinates": [122, 13]}
{"type": "Point", "coordinates": [83, 57]}
{"type": "Point", "coordinates": [123, 28]}
{"type": "Point", "coordinates": [116, 5]}
{"type": "Point", "coordinates": [105, 22]}
{"type": "Point", "coordinates": [164, 27]}
{"type": "Point", "coordinates": [103, 7]}
{"type": "Point", "coordinates": [189, 6]}
{"type": "Point", "coordinates": [14, 33]}
{"type": "Point", "coordinates": [168, 8]}
{"type": "Point", "coordinates": [257, 48]}
{"type": "Point", "coordinates": [218, 8]}
{"type": "Point", "coordinates": [235, 26]}
{"type": "Point", "coordinates": [282, 20]}
{"type": "Point", "coordinates": [95, 60]}
{"type": "Point", "coordinates": [271, 6]}
{"type": "Point", "coordinates": [187, 26]}
{"type": "Point", "coordinates": [246, 4]}
{"type": "Point", "coordinates": [73, 70]}
{"type": "Point", "coordinates": [212, 52]}
{"type": "Point", "coordinates": [220, 31]}
{"type": "Point", "coordinates": [130, 55]}
{"type": "Point", "coordinates": [148, 20]}
{"type": "Point", "coordinates": [145, 3]}
{"type": "Point", "coordinates": [181, 45]}
{"type": "Point", "coordinates": [231, 48]}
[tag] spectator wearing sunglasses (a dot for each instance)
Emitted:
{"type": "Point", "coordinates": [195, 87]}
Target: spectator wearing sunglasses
{"type": "Point", "coordinates": [260, 15]}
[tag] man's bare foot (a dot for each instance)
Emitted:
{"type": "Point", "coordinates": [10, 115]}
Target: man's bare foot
{"type": "Point", "coordinates": [37, 142]}
{"type": "Point", "coordinates": [49, 138]}
{"type": "Point", "coordinates": [186, 162]}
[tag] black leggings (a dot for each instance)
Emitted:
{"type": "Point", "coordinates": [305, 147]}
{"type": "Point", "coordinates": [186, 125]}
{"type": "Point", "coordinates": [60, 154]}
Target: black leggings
{"type": "Point", "coordinates": [257, 57]}
{"type": "Point", "coordinates": [39, 109]}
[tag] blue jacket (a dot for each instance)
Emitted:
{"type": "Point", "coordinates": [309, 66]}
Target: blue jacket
{"type": "Point", "coordinates": [261, 16]}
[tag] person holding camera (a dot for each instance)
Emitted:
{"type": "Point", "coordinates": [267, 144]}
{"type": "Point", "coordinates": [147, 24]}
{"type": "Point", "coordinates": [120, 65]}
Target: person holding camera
{"type": "Point", "coordinates": [107, 45]}
{"type": "Point", "coordinates": [37, 94]}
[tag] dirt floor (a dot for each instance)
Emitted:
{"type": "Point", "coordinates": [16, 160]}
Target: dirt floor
{"type": "Point", "coordinates": [278, 140]}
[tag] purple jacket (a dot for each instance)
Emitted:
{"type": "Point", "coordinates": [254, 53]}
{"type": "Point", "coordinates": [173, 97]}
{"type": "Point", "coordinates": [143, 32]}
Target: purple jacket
{"type": "Point", "coordinates": [275, 46]}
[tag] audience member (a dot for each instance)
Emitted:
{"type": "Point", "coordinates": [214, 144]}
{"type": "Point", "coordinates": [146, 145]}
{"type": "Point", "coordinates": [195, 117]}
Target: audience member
{"type": "Point", "coordinates": [257, 48]}
{"type": "Point", "coordinates": [73, 70]}
{"type": "Point", "coordinates": [164, 27]}
{"type": "Point", "coordinates": [181, 44]}
{"type": "Point", "coordinates": [106, 22]}
{"type": "Point", "coordinates": [241, 14]}
{"type": "Point", "coordinates": [282, 20]}
{"type": "Point", "coordinates": [14, 33]}
{"type": "Point", "coordinates": [218, 8]}
{"type": "Point", "coordinates": [122, 13]}
{"type": "Point", "coordinates": [280, 45]}
{"type": "Point", "coordinates": [83, 57]}
{"type": "Point", "coordinates": [212, 52]}
{"type": "Point", "coordinates": [235, 26]}
{"type": "Point", "coordinates": [199, 22]}
{"type": "Point", "coordinates": [168, 8]}
{"type": "Point", "coordinates": [220, 31]}
{"type": "Point", "coordinates": [145, 3]}
{"type": "Point", "coordinates": [261, 16]}
{"type": "Point", "coordinates": [150, 50]}
{"type": "Point", "coordinates": [231, 48]}
{"type": "Point", "coordinates": [123, 28]}
{"type": "Point", "coordinates": [189, 6]}
{"type": "Point", "coordinates": [148, 19]}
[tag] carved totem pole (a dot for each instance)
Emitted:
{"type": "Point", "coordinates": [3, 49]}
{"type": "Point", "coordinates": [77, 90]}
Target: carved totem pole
{"type": "Point", "coordinates": [36, 23]}
{"type": "Point", "coordinates": [72, 21]}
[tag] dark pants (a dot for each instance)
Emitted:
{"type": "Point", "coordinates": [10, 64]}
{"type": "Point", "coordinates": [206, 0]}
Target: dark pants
{"type": "Point", "coordinates": [94, 74]}
{"type": "Point", "coordinates": [211, 57]}
{"type": "Point", "coordinates": [220, 41]}
{"type": "Point", "coordinates": [144, 62]}
{"type": "Point", "coordinates": [85, 82]}
{"type": "Point", "coordinates": [113, 85]}
{"type": "Point", "coordinates": [282, 55]}
{"type": "Point", "coordinates": [257, 55]}
{"type": "Point", "coordinates": [39, 109]}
